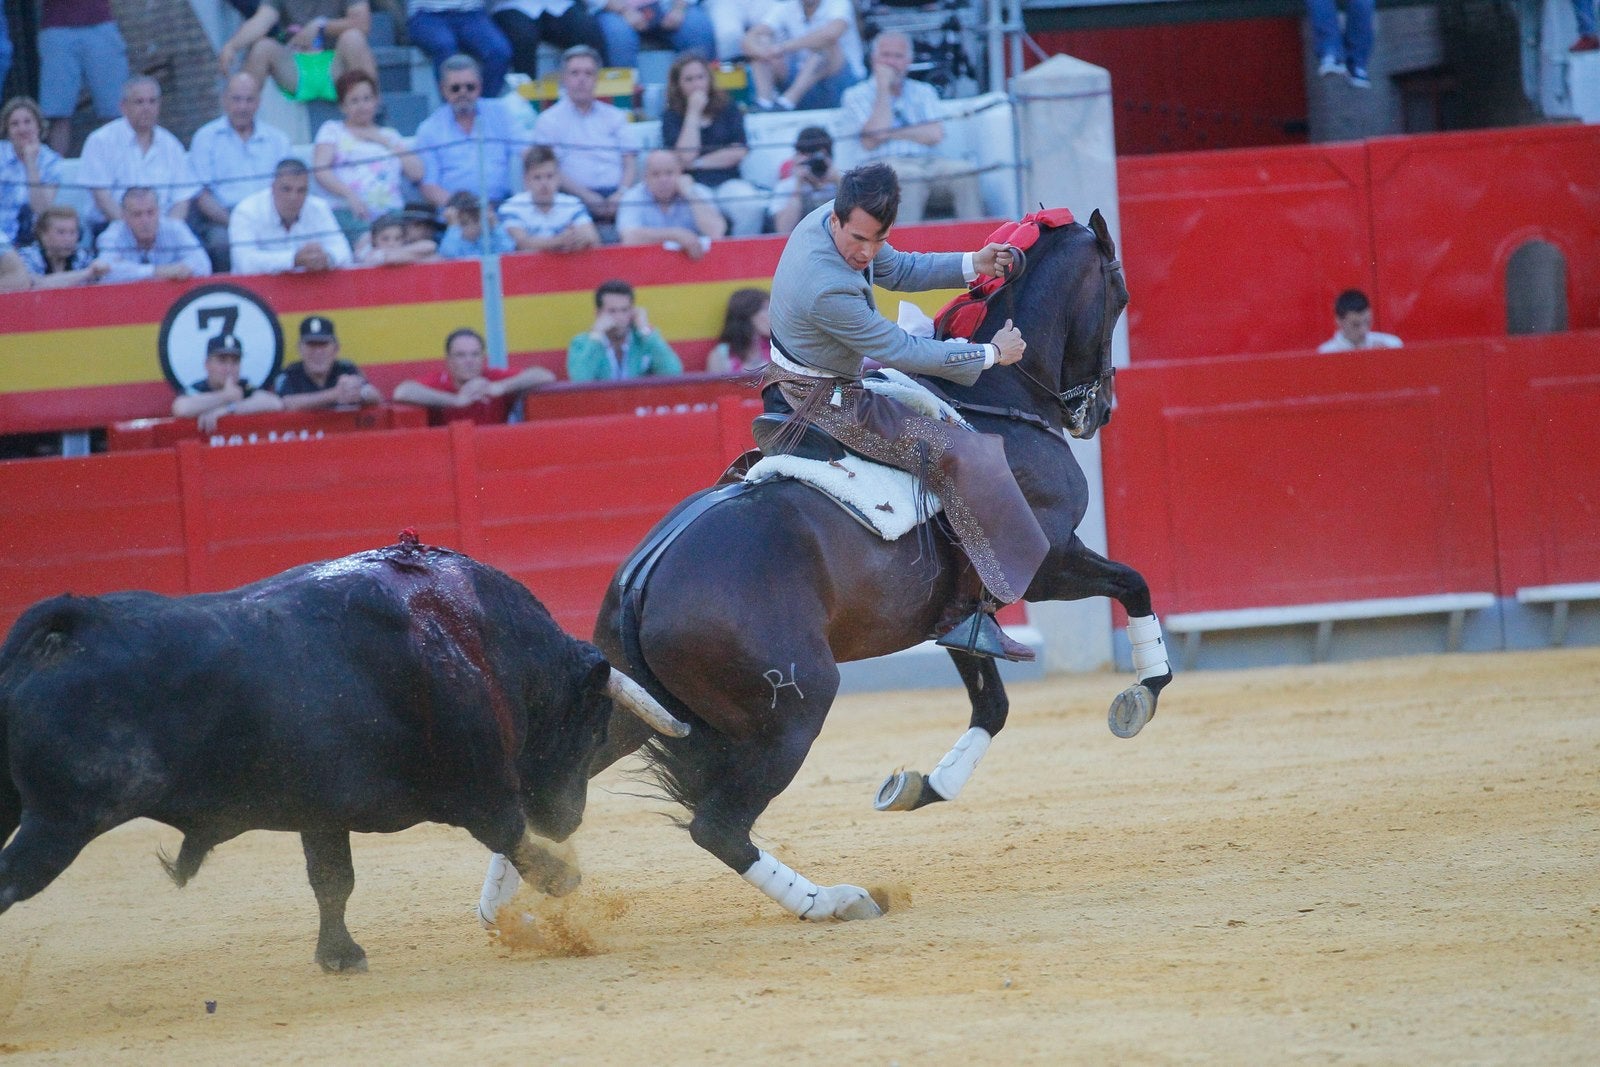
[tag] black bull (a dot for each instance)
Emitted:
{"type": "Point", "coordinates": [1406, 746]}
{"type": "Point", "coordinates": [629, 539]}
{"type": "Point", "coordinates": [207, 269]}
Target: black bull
{"type": "Point", "coordinates": [749, 611]}
{"type": "Point", "coordinates": [369, 694]}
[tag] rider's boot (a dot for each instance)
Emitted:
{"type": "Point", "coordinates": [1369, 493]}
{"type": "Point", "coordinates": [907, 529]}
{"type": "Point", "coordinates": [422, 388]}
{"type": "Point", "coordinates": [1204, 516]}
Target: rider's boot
{"type": "Point", "coordinates": [977, 634]}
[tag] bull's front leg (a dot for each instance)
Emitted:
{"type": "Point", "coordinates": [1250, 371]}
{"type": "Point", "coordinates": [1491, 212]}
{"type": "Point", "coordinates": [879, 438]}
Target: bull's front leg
{"type": "Point", "coordinates": [333, 879]}
{"type": "Point", "coordinates": [529, 857]}
{"type": "Point", "coordinates": [909, 790]}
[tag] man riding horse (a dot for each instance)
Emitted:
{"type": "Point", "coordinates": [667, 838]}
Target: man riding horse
{"type": "Point", "coordinates": [825, 324]}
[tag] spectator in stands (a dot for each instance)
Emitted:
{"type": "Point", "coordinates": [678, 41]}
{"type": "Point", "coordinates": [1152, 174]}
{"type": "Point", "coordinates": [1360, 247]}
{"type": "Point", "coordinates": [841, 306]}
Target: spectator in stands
{"type": "Point", "coordinates": [561, 23]}
{"type": "Point", "coordinates": [1587, 40]}
{"type": "Point", "coordinates": [811, 182]}
{"type": "Point", "coordinates": [1353, 312]}
{"type": "Point", "coordinates": [30, 170]}
{"type": "Point", "coordinates": [468, 388]}
{"type": "Point", "coordinates": [464, 233]}
{"type": "Point", "coordinates": [1343, 50]}
{"type": "Point", "coordinates": [731, 20]}
{"type": "Point", "coordinates": [388, 245]}
{"type": "Point", "coordinates": [897, 119]}
{"type": "Point", "coordinates": [232, 156]}
{"type": "Point", "coordinates": [320, 40]}
{"type": "Point", "coordinates": [706, 128]}
{"type": "Point", "coordinates": [359, 163]}
{"type": "Point", "coordinates": [443, 28]}
{"type": "Point", "coordinates": [281, 228]}
{"type": "Point", "coordinates": [58, 259]}
{"type": "Point", "coordinates": [808, 48]}
{"type": "Point", "coordinates": [14, 274]}
{"type": "Point", "coordinates": [447, 140]}
{"type": "Point", "coordinates": [621, 343]}
{"type": "Point", "coordinates": [587, 135]}
{"type": "Point", "coordinates": [669, 209]}
{"type": "Point", "coordinates": [422, 223]}
{"type": "Point", "coordinates": [542, 218]}
{"type": "Point", "coordinates": [134, 150]}
{"type": "Point", "coordinates": [222, 392]}
{"type": "Point", "coordinates": [681, 25]}
{"type": "Point", "coordinates": [79, 43]}
{"type": "Point", "coordinates": [144, 243]}
{"type": "Point", "coordinates": [321, 379]}
{"type": "Point", "coordinates": [745, 343]}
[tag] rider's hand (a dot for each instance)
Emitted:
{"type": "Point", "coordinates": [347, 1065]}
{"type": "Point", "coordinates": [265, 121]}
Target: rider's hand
{"type": "Point", "coordinates": [992, 259]}
{"type": "Point", "coordinates": [1008, 339]}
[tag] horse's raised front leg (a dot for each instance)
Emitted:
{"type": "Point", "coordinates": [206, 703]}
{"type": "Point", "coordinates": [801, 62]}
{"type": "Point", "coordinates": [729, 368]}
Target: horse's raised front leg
{"type": "Point", "coordinates": [909, 790]}
{"type": "Point", "coordinates": [1076, 572]}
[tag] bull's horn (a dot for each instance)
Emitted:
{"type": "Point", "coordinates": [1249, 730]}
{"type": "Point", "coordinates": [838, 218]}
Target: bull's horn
{"type": "Point", "coordinates": [631, 695]}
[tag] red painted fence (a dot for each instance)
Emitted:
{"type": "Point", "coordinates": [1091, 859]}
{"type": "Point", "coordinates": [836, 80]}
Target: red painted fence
{"type": "Point", "coordinates": [1297, 478]}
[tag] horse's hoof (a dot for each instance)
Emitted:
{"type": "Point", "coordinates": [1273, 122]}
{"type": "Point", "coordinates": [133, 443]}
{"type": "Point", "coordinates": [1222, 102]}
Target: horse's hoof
{"type": "Point", "coordinates": [860, 907]}
{"type": "Point", "coordinates": [1133, 708]}
{"type": "Point", "coordinates": [899, 792]}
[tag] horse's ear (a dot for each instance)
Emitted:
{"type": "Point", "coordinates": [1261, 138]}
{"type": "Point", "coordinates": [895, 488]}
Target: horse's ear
{"type": "Point", "coordinates": [1102, 233]}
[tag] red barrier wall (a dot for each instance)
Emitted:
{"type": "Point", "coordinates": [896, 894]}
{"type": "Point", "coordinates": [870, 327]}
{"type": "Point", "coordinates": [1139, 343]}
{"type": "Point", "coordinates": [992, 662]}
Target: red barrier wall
{"type": "Point", "coordinates": [1292, 479]}
{"type": "Point", "coordinates": [1545, 454]}
{"type": "Point", "coordinates": [1244, 251]}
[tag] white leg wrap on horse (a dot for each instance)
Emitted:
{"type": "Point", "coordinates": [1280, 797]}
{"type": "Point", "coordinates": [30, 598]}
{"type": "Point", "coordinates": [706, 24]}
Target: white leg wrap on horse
{"type": "Point", "coordinates": [1149, 650]}
{"type": "Point", "coordinates": [499, 886]}
{"type": "Point", "coordinates": [951, 775]}
{"type": "Point", "coordinates": [796, 892]}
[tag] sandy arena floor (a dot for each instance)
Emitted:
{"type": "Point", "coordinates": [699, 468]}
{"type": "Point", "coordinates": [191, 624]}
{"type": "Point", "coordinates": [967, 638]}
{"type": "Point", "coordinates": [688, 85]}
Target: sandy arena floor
{"type": "Point", "coordinates": [1393, 862]}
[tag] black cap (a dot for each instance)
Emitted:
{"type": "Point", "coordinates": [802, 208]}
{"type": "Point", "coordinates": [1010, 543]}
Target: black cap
{"type": "Point", "coordinates": [317, 328]}
{"type": "Point", "coordinates": [224, 342]}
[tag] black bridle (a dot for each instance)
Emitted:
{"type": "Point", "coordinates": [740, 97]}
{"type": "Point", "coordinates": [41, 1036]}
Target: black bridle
{"type": "Point", "coordinates": [1076, 400]}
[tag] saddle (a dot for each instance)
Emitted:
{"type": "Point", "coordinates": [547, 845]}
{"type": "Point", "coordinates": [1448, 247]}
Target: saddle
{"type": "Point", "coordinates": [962, 316]}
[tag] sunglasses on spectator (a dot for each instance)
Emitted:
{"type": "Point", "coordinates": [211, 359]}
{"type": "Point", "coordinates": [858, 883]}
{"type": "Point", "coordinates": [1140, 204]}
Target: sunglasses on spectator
{"type": "Point", "coordinates": [462, 87]}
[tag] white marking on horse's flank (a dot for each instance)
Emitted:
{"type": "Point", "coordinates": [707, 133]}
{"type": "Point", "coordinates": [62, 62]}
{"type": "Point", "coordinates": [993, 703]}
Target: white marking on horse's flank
{"type": "Point", "coordinates": [774, 678]}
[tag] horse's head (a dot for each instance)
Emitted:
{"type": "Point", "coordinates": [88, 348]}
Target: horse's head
{"type": "Point", "coordinates": [1066, 303]}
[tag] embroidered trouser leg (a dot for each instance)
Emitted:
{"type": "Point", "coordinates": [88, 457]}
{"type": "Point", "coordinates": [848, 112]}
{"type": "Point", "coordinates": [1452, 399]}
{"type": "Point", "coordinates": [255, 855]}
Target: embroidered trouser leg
{"type": "Point", "coordinates": [992, 520]}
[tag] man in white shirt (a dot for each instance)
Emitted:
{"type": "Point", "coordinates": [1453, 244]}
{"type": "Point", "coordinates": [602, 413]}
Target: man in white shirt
{"type": "Point", "coordinates": [810, 49]}
{"type": "Point", "coordinates": [279, 229]}
{"type": "Point", "coordinates": [1353, 311]}
{"type": "Point", "coordinates": [587, 136]}
{"type": "Point", "coordinates": [897, 119]}
{"type": "Point", "coordinates": [134, 150]}
{"type": "Point", "coordinates": [232, 156]}
{"type": "Point", "coordinates": [144, 244]}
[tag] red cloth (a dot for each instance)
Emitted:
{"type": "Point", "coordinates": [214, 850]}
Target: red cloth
{"type": "Point", "coordinates": [489, 412]}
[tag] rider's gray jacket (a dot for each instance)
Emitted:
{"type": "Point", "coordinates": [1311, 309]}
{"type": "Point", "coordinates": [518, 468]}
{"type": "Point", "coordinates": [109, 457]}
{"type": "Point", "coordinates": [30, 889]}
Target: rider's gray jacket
{"type": "Point", "coordinates": [823, 314]}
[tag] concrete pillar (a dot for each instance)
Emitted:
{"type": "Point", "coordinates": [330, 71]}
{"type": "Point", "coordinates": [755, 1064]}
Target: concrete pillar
{"type": "Point", "coordinates": [1069, 156]}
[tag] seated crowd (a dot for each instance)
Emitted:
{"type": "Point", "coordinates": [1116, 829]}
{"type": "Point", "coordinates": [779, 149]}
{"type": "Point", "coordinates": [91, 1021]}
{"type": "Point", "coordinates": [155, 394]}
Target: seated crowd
{"type": "Point", "coordinates": [238, 199]}
{"type": "Point", "coordinates": [621, 344]}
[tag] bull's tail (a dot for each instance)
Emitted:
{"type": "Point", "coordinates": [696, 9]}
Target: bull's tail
{"type": "Point", "coordinates": [191, 854]}
{"type": "Point", "coordinates": [10, 798]}
{"type": "Point", "coordinates": [38, 638]}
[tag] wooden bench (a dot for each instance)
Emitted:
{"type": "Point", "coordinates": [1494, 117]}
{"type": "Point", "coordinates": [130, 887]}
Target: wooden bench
{"type": "Point", "coordinates": [1560, 597]}
{"type": "Point", "coordinates": [1456, 605]}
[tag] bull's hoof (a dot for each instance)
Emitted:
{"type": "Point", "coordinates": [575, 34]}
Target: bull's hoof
{"type": "Point", "coordinates": [1133, 707]}
{"type": "Point", "coordinates": [351, 960]}
{"type": "Point", "coordinates": [899, 792]}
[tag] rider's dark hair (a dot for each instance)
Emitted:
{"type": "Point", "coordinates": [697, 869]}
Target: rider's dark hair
{"type": "Point", "coordinates": [1348, 301]}
{"type": "Point", "coordinates": [616, 286]}
{"type": "Point", "coordinates": [873, 188]}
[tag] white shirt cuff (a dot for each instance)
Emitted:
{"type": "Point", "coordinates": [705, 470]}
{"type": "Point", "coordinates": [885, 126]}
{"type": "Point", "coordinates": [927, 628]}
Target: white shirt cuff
{"type": "Point", "coordinates": [967, 270]}
{"type": "Point", "coordinates": [991, 353]}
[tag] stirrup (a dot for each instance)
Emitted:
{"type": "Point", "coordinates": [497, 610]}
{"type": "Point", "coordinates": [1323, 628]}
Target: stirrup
{"type": "Point", "coordinates": [979, 635]}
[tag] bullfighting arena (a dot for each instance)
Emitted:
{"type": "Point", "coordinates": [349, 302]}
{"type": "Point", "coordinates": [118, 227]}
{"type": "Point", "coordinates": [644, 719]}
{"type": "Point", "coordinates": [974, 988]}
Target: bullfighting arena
{"type": "Point", "coordinates": [1386, 862]}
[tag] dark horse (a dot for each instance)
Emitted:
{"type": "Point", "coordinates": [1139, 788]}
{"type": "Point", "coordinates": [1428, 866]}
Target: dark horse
{"type": "Point", "coordinates": [751, 608]}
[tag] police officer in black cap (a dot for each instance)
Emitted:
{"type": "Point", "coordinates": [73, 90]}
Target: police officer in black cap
{"type": "Point", "coordinates": [321, 379]}
{"type": "Point", "coordinates": [222, 392]}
